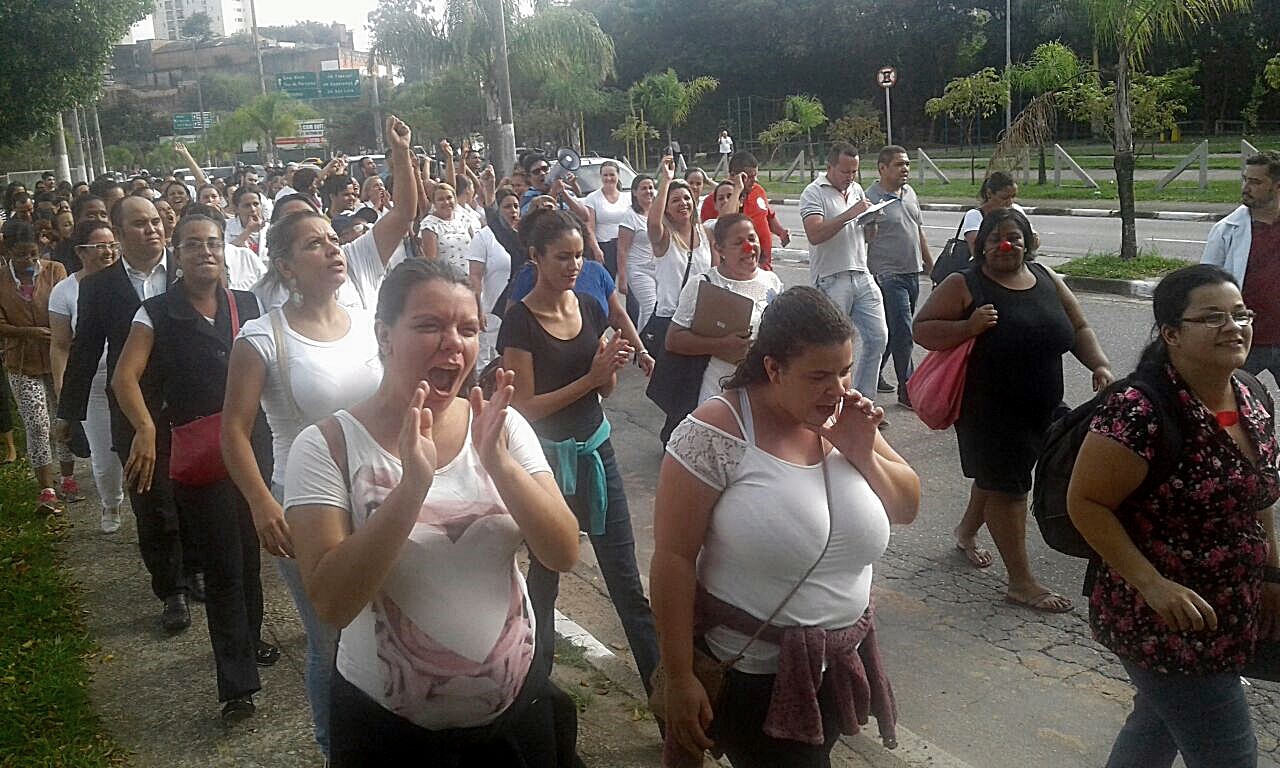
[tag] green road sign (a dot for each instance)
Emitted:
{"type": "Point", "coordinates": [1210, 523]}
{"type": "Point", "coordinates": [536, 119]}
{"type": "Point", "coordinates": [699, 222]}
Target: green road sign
{"type": "Point", "coordinates": [299, 85]}
{"type": "Point", "coordinates": [340, 84]}
{"type": "Point", "coordinates": [190, 122]}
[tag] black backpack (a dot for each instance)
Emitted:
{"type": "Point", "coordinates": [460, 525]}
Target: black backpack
{"type": "Point", "coordinates": [1062, 444]}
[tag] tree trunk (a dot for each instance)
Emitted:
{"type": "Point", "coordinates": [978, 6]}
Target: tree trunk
{"type": "Point", "coordinates": [1124, 159]}
{"type": "Point", "coordinates": [63, 168]}
{"type": "Point", "coordinates": [502, 151]}
{"type": "Point", "coordinates": [1042, 177]}
{"type": "Point", "coordinates": [97, 138]}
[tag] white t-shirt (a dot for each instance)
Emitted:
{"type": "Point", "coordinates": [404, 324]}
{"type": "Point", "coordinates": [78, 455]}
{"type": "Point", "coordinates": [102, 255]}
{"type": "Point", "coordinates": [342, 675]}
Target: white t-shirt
{"type": "Point", "coordinates": [726, 145]}
{"type": "Point", "coordinates": [973, 219]}
{"type": "Point", "coordinates": [244, 267]}
{"type": "Point", "coordinates": [608, 215]}
{"type": "Point", "coordinates": [285, 191]}
{"type": "Point", "coordinates": [762, 289]}
{"type": "Point", "coordinates": [365, 273]}
{"type": "Point", "coordinates": [235, 229]}
{"type": "Point", "coordinates": [448, 640]}
{"type": "Point", "coordinates": [752, 555]}
{"type": "Point", "coordinates": [324, 377]}
{"type": "Point", "coordinates": [486, 250]}
{"type": "Point", "coordinates": [847, 250]}
{"type": "Point", "coordinates": [640, 256]}
{"type": "Point", "coordinates": [672, 269]}
{"type": "Point", "coordinates": [453, 237]}
{"type": "Point", "coordinates": [63, 300]}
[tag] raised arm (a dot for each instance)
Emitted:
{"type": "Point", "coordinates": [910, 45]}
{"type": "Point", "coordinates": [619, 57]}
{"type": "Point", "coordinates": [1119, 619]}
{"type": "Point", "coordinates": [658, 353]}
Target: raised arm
{"type": "Point", "coordinates": [196, 171]}
{"type": "Point", "coordinates": [659, 237]}
{"type": "Point", "coordinates": [392, 228]}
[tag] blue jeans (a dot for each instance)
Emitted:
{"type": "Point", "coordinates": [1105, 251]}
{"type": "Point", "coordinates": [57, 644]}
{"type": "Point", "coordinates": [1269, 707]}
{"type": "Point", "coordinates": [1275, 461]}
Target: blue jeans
{"type": "Point", "coordinates": [857, 295]}
{"type": "Point", "coordinates": [616, 553]}
{"type": "Point", "coordinates": [901, 292]}
{"type": "Point", "coordinates": [1205, 717]}
{"type": "Point", "coordinates": [322, 644]}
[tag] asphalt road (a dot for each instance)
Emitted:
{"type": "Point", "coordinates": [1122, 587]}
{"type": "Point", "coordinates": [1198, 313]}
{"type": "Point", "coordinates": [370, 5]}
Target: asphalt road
{"type": "Point", "coordinates": [1068, 236]}
{"type": "Point", "coordinates": [991, 684]}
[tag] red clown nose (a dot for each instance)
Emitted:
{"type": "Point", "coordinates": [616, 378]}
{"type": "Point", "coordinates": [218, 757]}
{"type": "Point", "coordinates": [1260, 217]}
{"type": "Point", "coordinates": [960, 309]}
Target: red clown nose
{"type": "Point", "coordinates": [1005, 246]}
{"type": "Point", "coordinates": [746, 248]}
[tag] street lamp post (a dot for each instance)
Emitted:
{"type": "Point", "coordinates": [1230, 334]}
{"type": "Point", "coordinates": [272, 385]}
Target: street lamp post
{"type": "Point", "coordinates": [1008, 62]}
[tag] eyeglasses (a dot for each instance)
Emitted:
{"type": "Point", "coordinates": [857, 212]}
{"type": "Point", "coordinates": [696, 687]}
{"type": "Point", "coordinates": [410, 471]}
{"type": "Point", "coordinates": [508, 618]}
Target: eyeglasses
{"type": "Point", "coordinates": [101, 249]}
{"type": "Point", "coordinates": [212, 245]}
{"type": "Point", "coordinates": [1240, 317]}
{"type": "Point", "coordinates": [540, 169]}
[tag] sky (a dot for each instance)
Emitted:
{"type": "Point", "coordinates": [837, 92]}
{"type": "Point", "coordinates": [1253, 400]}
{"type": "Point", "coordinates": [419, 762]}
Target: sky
{"type": "Point", "coordinates": [353, 13]}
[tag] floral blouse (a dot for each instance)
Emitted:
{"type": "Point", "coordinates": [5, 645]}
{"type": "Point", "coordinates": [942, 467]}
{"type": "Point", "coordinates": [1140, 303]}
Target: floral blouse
{"type": "Point", "coordinates": [1199, 528]}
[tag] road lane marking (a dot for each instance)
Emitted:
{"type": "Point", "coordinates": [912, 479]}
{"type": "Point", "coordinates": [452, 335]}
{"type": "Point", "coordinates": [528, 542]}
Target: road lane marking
{"type": "Point", "coordinates": [1173, 240]}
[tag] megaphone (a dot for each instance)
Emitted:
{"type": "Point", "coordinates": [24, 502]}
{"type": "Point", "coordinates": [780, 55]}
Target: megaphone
{"type": "Point", "coordinates": [566, 160]}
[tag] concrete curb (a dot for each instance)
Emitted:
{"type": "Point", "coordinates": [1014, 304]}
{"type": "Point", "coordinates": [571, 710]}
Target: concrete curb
{"type": "Point", "coordinates": [1048, 210]}
{"type": "Point", "coordinates": [912, 752]}
{"type": "Point", "coordinates": [1134, 289]}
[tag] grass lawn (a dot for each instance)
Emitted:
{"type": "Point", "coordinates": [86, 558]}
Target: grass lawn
{"type": "Point", "coordinates": [1148, 264]}
{"type": "Point", "coordinates": [46, 718]}
{"type": "Point", "coordinates": [1030, 194]}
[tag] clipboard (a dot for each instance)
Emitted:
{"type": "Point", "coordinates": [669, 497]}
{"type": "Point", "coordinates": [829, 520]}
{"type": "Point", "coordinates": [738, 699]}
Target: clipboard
{"type": "Point", "coordinates": [876, 208]}
{"type": "Point", "coordinates": [720, 312]}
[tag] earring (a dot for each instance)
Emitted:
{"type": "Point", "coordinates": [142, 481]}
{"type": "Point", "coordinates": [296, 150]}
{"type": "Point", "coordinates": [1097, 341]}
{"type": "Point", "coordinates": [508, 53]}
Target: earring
{"type": "Point", "coordinates": [294, 296]}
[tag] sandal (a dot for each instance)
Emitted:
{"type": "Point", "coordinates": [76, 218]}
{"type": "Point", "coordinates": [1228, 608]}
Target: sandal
{"type": "Point", "coordinates": [1042, 602]}
{"type": "Point", "coordinates": [977, 557]}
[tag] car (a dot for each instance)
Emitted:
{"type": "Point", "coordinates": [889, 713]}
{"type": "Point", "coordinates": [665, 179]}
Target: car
{"type": "Point", "coordinates": [588, 173]}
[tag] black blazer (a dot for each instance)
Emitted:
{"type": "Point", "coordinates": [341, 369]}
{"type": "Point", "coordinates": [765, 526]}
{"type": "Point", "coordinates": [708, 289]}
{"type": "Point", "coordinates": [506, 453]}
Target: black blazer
{"type": "Point", "coordinates": [105, 313]}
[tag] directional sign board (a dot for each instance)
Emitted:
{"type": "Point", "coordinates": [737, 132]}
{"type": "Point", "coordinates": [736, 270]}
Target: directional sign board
{"type": "Point", "coordinates": [340, 84]}
{"type": "Point", "coordinates": [191, 122]}
{"type": "Point", "coordinates": [887, 77]}
{"type": "Point", "coordinates": [310, 135]}
{"type": "Point", "coordinates": [299, 85]}
{"type": "Point", "coordinates": [311, 129]}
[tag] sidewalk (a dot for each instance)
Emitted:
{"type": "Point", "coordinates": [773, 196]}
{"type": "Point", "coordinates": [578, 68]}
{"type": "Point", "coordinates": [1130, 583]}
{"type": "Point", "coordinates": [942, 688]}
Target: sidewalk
{"type": "Point", "coordinates": [1089, 208]}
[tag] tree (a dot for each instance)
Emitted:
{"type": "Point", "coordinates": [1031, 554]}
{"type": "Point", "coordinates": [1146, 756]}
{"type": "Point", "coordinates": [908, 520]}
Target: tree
{"type": "Point", "coordinates": [1131, 27]}
{"type": "Point", "coordinates": [266, 117]}
{"type": "Point", "coordinates": [197, 26]}
{"type": "Point", "coordinates": [83, 34]}
{"type": "Point", "coordinates": [667, 100]}
{"type": "Point", "coordinates": [1052, 68]}
{"type": "Point", "coordinates": [1272, 73]}
{"type": "Point", "coordinates": [862, 132]}
{"type": "Point", "coordinates": [968, 98]}
{"type": "Point", "coordinates": [1155, 102]}
{"type": "Point", "coordinates": [635, 132]}
{"type": "Point", "coordinates": [808, 113]}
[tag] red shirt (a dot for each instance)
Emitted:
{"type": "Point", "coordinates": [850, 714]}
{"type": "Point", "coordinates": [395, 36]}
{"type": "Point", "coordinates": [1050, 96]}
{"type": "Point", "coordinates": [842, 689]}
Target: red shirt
{"type": "Point", "coordinates": [756, 207]}
{"type": "Point", "coordinates": [1262, 283]}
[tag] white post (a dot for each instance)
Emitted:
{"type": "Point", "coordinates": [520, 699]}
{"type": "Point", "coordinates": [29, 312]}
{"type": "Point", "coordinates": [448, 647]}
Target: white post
{"type": "Point", "coordinates": [1008, 62]}
{"type": "Point", "coordinates": [888, 118]}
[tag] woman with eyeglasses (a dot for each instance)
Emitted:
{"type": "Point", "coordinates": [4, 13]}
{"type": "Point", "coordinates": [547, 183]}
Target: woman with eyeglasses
{"type": "Point", "coordinates": [1173, 488]}
{"type": "Point", "coordinates": [95, 248]}
{"type": "Point", "coordinates": [24, 328]}
{"type": "Point", "coordinates": [184, 338]}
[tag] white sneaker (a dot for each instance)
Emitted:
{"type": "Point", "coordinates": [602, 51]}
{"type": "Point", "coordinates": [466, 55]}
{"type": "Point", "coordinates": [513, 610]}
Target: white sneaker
{"type": "Point", "coordinates": [110, 519]}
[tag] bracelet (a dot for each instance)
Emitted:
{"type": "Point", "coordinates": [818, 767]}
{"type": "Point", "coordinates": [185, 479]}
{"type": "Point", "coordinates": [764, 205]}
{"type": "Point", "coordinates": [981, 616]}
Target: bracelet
{"type": "Point", "coordinates": [1271, 575]}
{"type": "Point", "coordinates": [645, 352]}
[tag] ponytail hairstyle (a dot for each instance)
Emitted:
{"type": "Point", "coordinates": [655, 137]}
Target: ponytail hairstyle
{"type": "Point", "coordinates": [541, 228]}
{"type": "Point", "coordinates": [280, 239]}
{"type": "Point", "coordinates": [1169, 302]}
{"type": "Point", "coordinates": [995, 181]}
{"type": "Point", "coordinates": [801, 317]}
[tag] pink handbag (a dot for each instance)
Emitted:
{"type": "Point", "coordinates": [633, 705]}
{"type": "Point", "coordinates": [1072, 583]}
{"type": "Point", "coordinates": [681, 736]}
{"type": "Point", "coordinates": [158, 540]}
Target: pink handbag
{"type": "Point", "coordinates": [936, 388]}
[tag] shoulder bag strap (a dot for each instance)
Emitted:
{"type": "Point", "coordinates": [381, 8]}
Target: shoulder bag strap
{"type": "Point", "coordinates": [282, 363]}
{"type": "Point", "coordinates": [235, 314]}
{"type": "Point", "coordinates": [826, 484]}
{"type": "Point", "coordinates": [957, 235]}
{"type": "Point", "coordinates": [336, 441]}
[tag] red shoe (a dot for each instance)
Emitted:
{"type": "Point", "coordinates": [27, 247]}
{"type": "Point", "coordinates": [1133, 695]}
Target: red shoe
{"type": "Point", "coordinates": [47, 501]}
{"type": "Point", "coordinates": [69, 492]}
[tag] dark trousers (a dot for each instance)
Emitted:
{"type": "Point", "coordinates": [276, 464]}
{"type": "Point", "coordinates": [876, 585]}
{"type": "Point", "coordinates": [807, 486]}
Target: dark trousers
{"type": "Point", "coordinates": [219, 518]}
{"type": "Point", "coordinates": [616, 553]}
{"type": "Point", "coordinates": [169, 555]}
{"type": "Point", "coordinates": [610, 249]}
{"type": "Point", "coordinates": [901, 292]}
{"type": "Point", "coordinates": [6, 403]}
{"type": "Point", "coordinates": [1203, 717]}
{"type": "Point", "coordinates": [738, 727]}
{"type": "Point", "coordinates": [539, 730]}
{"type": "Point", "coordinates": [1264, 358]}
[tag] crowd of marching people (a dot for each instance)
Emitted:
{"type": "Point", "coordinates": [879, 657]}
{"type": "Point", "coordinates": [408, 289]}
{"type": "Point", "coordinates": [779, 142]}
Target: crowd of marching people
{"type": "Point", "coordinates": [392, 380]}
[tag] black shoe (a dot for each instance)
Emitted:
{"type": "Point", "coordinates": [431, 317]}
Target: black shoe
{"type": "Point", "coordinates": [904, 401]}
{"type": "Point", "coordinates": [238, 710]}
{"type": "Point", "coordinates": [176, 616]}
{"type": "Point", "coordinates": [267, 654]}
{"type": "Point", "coordinates": [195, 587]}
{"type": "Point", "coordinates": [884, 424]}
{"type": "Point", "coordinates": [884, 386]}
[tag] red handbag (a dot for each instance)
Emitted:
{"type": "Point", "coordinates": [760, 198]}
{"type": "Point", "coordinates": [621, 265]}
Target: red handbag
{"type": "Point", "coordinates": [195, 453]}
{"type": "Point", "coordinates": [936, 388]}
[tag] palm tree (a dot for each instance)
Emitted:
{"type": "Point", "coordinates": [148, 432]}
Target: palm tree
{"type": "Point", "coordinates": [1051, 68]}
{"type": "Point", "coordinates": [668, 100]}
{"type": "Point", "coordinates": [808, 113]}
{"type": "Point", "coordinates": [267, 117]}
{"type": "Point", "coordinates": [1132, 27]}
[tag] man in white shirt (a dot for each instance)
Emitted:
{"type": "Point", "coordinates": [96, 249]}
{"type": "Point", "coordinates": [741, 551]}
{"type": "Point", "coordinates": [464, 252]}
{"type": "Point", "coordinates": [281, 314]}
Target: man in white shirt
{"type": "Point", "coordinates": [829, 208]}
{"type": "Point", "coordinates": [726, 145]}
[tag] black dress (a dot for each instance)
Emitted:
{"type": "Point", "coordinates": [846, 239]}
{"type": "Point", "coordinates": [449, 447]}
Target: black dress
{"type": "Point", "coordinates": [1013, 382]}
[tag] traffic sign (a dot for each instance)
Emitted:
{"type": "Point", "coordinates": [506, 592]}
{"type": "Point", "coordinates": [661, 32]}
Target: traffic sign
{"type": "Point", "coordinates": [887, 77]}
{"type": "Point", "coordinates": [191, 122]}
{"type": "Point", "coordinates": [299, 85]}
{"type": "Point", "coordinates": [340, 84]}
{"type": "Point", "coordinates": [311, 129]}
